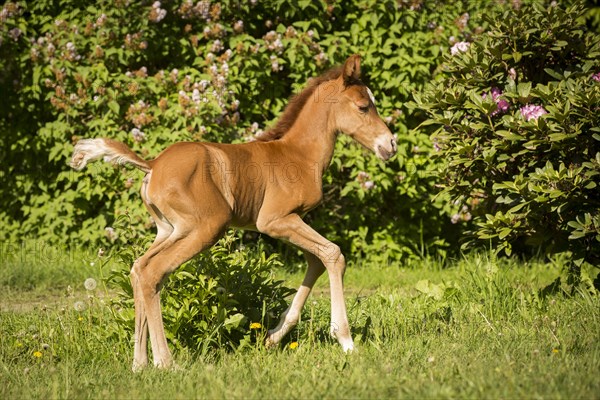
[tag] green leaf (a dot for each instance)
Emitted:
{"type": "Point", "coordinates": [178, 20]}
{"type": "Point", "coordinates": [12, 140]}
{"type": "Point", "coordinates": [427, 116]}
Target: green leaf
{"type": "Point", "coordinates": [504, 233]}
{"type": "Point", "coordinates": [524, 89]}
{"type": "Point", "coordinates": [114, 106]}
{"type": "Point", "coordinates": [508, 135]}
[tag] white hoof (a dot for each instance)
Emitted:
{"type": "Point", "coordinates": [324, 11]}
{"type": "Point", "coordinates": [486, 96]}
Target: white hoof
{"type": "Point", "coordinates": [138, 367]}
{"type": "Point", "coordinates": [347, 346]}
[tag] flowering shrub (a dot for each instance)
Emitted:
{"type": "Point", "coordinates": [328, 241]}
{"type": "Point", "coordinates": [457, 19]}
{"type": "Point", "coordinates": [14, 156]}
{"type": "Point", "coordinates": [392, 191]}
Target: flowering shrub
{"type": "Point", "coordinates": [517, 117]}
{"type": "Point", "coordinates": [153, 73]}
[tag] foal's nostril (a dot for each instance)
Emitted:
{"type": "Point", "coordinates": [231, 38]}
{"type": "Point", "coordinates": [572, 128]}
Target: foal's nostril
{"type": "Point", "coordinates": [393, 145]}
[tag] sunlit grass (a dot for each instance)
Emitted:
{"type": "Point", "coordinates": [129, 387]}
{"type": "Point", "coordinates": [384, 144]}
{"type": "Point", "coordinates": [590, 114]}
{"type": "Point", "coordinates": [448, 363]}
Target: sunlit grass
{"type": "Point", "coordinates": [478, 328]}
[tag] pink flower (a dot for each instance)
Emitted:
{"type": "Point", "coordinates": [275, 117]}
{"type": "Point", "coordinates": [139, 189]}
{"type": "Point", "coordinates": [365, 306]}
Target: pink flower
{"type": "Point", "coordinates": [138, 135]}
{"type": "Point", "coordinates": [501, 104]}
{"type": "Point", "coordinates": [459, 47]}
{"type": "Point", "coordinates": [531, 111]}
{"type": "Point", "coordinates": [368, 185]}
{"type": "Point", "coordinates": [596, 77]}
{"type": "Point", "coordinates": [157, 14]}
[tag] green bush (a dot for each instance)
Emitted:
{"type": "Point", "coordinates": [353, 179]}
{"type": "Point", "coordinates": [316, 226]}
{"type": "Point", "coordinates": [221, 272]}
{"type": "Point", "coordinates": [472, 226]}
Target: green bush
{"type": "Point", "coordinates": [151, 74]}
{"type": "Point", "coordinates": [518, 117]}
{"type": "Point", "coordinates": [225, 297]}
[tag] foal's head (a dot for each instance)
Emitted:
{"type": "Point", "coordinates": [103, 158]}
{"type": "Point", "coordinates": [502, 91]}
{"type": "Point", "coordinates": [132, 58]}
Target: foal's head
{"type": "Point", "coordinates": [356, 114]}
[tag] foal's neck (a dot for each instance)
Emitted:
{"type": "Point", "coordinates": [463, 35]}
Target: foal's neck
{"type": "Point", "coordinates": [313, 135]}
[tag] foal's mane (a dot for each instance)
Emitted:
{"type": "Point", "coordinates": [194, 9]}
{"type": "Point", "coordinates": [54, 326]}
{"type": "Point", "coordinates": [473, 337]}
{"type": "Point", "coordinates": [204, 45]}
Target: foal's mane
{"type": "Point", "coordinates": [296, 104]}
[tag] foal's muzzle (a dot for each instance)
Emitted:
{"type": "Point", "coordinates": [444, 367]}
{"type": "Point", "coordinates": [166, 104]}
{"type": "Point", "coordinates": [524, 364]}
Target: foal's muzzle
{"type": "Point", "coordinates": [385, 146]}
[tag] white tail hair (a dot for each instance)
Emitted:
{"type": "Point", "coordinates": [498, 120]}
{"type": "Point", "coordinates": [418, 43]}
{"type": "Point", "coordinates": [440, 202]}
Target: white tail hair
{"type": "Point", "coordinates": [90, 150]}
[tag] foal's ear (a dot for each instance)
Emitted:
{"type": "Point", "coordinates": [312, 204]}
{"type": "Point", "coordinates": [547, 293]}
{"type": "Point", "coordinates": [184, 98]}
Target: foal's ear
{"type": "Point", "coordinates": [352, 69]}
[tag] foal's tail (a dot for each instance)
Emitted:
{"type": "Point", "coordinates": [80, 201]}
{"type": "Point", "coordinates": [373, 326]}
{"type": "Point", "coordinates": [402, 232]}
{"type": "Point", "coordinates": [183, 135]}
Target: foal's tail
{"type": "Point", "coordinates": [89, 150]}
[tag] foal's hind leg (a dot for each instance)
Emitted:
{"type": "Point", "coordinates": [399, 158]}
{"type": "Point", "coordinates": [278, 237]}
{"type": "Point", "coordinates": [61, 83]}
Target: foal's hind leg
{"type": "Point", "coordinates": [182, 245]}
{"type": "Point", "coordinates": [291, 316]}
{"type": "Point", "coordinates": [140, 338]}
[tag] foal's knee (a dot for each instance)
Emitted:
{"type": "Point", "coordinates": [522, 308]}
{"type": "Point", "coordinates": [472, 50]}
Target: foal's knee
{"type": "Point", "coordinates": [333, 259]}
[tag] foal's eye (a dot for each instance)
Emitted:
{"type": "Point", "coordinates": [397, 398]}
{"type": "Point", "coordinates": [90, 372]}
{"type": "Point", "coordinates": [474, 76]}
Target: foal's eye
{"type": "Point", "coordinates": [364, 109]}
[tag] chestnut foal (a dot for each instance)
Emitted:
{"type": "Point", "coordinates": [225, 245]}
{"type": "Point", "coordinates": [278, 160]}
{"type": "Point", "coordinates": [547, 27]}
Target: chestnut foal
{"type": "Point", "coordinates": [194, 191]}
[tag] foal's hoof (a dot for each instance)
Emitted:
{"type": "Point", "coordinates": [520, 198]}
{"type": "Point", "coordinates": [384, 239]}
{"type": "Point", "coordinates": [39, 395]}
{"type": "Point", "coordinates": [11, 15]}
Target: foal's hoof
{"type": "Point", "coordinates": [138, 367]}
{"type": "Point", "coordinates": [175, 367]}
{"type": "Point", "coordinates": [270, 344]}
{"type": "Point", "coordinates": [168, 366]}
{"type": "Point", "coordinates": [348, 347]}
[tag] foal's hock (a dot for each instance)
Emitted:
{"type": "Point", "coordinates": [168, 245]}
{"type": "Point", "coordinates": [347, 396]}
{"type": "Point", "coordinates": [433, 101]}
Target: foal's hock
{"type": "Point", "coordinates": [194, 191]}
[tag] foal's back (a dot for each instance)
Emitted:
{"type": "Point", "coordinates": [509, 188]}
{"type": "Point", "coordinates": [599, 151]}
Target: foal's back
{"type": "Point", "coordinates": [236, 180]}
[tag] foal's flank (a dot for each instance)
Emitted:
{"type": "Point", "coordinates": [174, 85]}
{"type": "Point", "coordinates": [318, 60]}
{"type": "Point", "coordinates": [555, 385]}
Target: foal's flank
{"type": "Point", "coordinates": [194, 191]}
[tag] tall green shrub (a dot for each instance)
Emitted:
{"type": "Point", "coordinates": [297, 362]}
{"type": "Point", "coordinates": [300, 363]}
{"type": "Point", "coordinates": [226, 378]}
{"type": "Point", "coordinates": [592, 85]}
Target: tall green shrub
{"type": "Point", "coordinates": [151, 73]}
{"type": "Point", "coordinates": [518, 118]}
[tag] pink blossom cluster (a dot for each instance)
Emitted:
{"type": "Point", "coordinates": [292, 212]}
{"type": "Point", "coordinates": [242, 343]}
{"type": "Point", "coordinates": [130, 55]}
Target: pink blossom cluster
{"type": "Point", "coordinates": [219, 72]}
{"type": "Point", "coordinates": [201, 9]}
{"type": "Point", "coordinates": [139, 114]}
{"type": "Point", "coordinates": [462, 215]}
{"type": "Point", "coordinates": [321, 58]}
{"type": "Point", "coordinates": [238, 26]}
{"type": "Point", "coordinates": [531, 111]}
{"type": "Point", "coordinates": [273, 41]}
{"type": "Point", "coordinates": [459, 47]}
{"type": "Point", "coordinates": [254, 132]}
{"type": "Point", "coordinates": [9, 10]}
{"type": "Point", "coordinates": [365, 180]}
{"type": "Point", "coordinates": [596, 77]}
{"type": "Point", "coordinates": [138, 135]}
{"type": "Point", "coordinates": [501, 104]}
{"type": "Point", "coordinates": [157, 14]}
{"type": "Point", "coordinates": [275, 64]}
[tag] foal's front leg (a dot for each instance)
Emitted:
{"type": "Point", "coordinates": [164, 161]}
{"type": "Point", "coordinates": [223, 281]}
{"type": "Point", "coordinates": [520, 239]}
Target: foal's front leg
{"type": "Point", "coordinates": [292, 229]}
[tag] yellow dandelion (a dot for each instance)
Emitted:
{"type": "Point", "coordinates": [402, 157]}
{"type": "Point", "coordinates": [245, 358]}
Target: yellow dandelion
{"type": "Point", "coordinates": [294, 345]}
{"type": "Point", "coordinates": [255, 325]}
{"type": "Point", "coordinates": [555, 351]}
{"type": "Point", "coordinates": [80, 319]}
{"type": "Point", "coordinates": [37, 354]}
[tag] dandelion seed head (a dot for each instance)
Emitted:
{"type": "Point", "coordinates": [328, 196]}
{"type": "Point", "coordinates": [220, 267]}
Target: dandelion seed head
{"type": "Point", "coordinates": [79, 306]}
{"type": "Point", "coordinates": [90, 284]}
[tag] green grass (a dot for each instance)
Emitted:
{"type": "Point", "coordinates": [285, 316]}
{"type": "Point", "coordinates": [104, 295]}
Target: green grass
{"type": "Point", "coordinates": [476, 329]}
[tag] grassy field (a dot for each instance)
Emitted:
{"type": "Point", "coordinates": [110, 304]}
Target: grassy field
{"type": "Point", "coordinates": [474, 329]}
